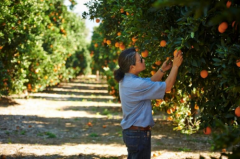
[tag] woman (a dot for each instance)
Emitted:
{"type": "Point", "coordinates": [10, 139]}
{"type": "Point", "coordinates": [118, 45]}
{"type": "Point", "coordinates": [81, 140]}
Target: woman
{"type": "Point", "coordinates": [136, 94]}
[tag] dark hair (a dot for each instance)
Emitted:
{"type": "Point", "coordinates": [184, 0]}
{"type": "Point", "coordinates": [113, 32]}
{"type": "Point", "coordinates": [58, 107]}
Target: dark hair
{"type": "Point", "coordinates": [125, 60]}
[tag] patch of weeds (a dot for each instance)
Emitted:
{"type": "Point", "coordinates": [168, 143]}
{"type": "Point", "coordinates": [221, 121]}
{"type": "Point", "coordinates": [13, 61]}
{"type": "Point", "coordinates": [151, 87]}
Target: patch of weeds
{"type": "Point", "coordinates": [109, 116]}
{"type": "Point", "coordinates": [9, 141]}
{"type": "Point", "coordinates": [23, 132]}
{"type": "Point", "coordinates": [7, 133]}
{"type": "Point", "coordinates": [184, 149]}
{"type": "Point", "coordinates": [50, 135]}
{"type": "Point", "coordinates": [76, 119]}
{"type": "Point", "coordinates": [160, 143]}
{"type": "Point", "coordinates": [119, 133]}
{"type": "Point", "coordinates": [94, 109]}
{"type": "Point", "coordinates": [93, 135]}
{"type": "Point", "coordinates": [40, 134]}
{"type": "Point", "coordinates": [106, 112]}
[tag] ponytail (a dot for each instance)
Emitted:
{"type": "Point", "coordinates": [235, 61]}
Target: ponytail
{"type": "Point", "coordinates": [118, 75]}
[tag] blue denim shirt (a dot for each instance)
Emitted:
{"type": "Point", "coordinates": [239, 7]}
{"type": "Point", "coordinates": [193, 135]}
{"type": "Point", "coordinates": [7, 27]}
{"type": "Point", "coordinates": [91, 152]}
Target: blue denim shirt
{"type": "Point", "coordinates": [136, 94]}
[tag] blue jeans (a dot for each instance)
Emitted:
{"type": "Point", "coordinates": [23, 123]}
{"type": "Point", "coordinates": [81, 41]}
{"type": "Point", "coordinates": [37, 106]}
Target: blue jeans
{"type": "Point", "coordinates": [138, 143]}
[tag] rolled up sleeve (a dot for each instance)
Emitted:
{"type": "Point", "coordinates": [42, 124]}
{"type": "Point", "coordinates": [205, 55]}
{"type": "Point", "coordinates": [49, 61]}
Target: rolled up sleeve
{"type": "Point", "coordinates": [148, 89]}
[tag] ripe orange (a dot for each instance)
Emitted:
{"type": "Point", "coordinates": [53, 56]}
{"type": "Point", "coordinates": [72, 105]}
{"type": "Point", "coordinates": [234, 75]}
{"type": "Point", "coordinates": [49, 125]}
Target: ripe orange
{"type": "Point", "coordinates": [121, 10]}
{"type": "Point", "coordinates": [228, 4]}
{"type": "Point", "coordinates": [237, 111]}
{"type": "Point", "coordinates": [238, 63]}
{"type": "Point", "coordinates": [207, 131]}
{"type": "Point", "coordinates": [119, 33]}
{"type": "Point", "coordinates": [89, 124]}
{"type": "Point", "coordinates": [122, 47]}
{"type": "Point", "coordinates": [117, 44]}
{"type": "Point", "coordinates": [108, 42]}
{"type": "Point", "coordinates": [104, 126]}
{"type": "Point", "coordinates": [170, 110]}
{"type": "Point", "coordinates": [1, 47]}
{"type": "Point", "coordinates": [134, 39]}
{"type": "Point", "coordinates": [170, 118]}
{"type": "Point", "coordinates": [176, 52]}
{"type": "Point", "coordinates": [153, 72]}
{"type": "Point", "coordinates": [196, 107]}
{"type": "Point", "coordinates": [222, 27]}
{"type": "Point", "coordinates": [96, 45]}
{"type": "Point", "coordinates": [182, 100]}
{"type": "Point", "coordinates": [158, 63]}
{"type": "Point", "coordinates": [97, 20]}
{"type": "Point", "coordinates": [204, 73]}
{"type": "Point", "coordinates": [163, 43]}
{"type": "Point", "coordinates": [144, 53]}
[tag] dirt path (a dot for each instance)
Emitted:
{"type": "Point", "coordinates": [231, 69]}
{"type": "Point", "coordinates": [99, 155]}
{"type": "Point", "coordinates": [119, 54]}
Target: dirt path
{"type": "Point", "coordinates": [81, 120]}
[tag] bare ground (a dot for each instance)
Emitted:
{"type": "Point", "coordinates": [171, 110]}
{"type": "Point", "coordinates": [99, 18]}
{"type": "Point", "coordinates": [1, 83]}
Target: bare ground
{"type": "Point", "coordinates": [80, 120]}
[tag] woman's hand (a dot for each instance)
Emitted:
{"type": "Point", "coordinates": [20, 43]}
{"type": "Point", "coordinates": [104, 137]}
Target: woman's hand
{"type": "Point", "coordinates": [177, 61]}
{"type": "Point", "coordinates": [166, 65]}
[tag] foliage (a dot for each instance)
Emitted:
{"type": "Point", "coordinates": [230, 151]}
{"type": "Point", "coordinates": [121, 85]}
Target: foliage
{"type": "Point", "coordinates": [40, 45]}
{"type": "Point", "coordinates": [190, 26]}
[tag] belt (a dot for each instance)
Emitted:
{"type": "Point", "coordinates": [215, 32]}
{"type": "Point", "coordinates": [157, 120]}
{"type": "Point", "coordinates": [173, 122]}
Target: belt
{"type": "Point", "coordinates": [140, 128]}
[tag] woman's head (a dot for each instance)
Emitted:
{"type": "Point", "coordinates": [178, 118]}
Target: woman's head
{"type": "Point", "coordinates": [129, 60]}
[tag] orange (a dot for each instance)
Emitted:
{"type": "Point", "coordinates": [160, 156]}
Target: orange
{"type": "Point", "coordinates": [144, 53]}
{"type": "Point", "coordinates": [196, 107]}
{"type": "Point", "coordinates": [233, 23]}
{"type": "Point", "coordinates": [207, 130]}
{"type": "Point", "coordinates": [1, 47]}
{"type": "Point", "coordinates": [104, 126]}
{"type": "Point", "coordinates": [119, 33]}
{"type": "Point", "coordinates": [182, 100]}
{"type": "Point", "coordinates": [228, 4]}
{"type": "Point", "coordinates": [96, 45]}
{"type": "Point", "coordinates": [176, 52]}
{"type": "Point", "coordinates": [121, 46]}
{"type": "Point", "coordinates": [117, 44]}
{"type": "Point", "coordinates": [134, 39]}
{"type": "Point", "coordinates": [121, 10]}
{"type": "Point", "coordinates": [170, 110]}
{"type": "Point", "coordinates": [237, 111]}
{"type": "Point", "coordinates": [163, 43]}
{"type": "Point", "coordinates": [158, 63]}
{"type": "Point", "coordinates": [108, 42]}
{"type": "Point", "coordinates": [222, 27]}
{"type": "Point", "coordinates": [204, 73]}
{"type": "Point", "coordinates": [153, 72]}
{"type": "Point", "coordinates": [97, 20]}
{"type": "Point", "coordinates": [238, 63]}
{"type": "Point", "coordinates": [170, 118]}
{"type": "Point", "coordinates": [89, 124]}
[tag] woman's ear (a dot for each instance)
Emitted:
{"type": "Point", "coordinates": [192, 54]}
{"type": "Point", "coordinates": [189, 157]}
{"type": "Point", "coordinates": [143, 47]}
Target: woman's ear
{"type": "Point", "coordinates": [132, 67]}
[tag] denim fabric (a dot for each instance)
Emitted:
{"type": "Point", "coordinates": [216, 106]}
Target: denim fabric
{"type": "Point", "coordinates": [138, 143]}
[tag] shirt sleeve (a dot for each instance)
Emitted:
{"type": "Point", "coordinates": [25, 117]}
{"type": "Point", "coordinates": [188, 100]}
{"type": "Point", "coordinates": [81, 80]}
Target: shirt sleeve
{"type": "Point", "coordinates": [148, 89]}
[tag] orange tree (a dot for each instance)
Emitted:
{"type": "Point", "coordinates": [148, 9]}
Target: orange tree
{"type": "Point", "coordinates": [207, 90]}
{"type": "Point", "coordinates": [40, 44]}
